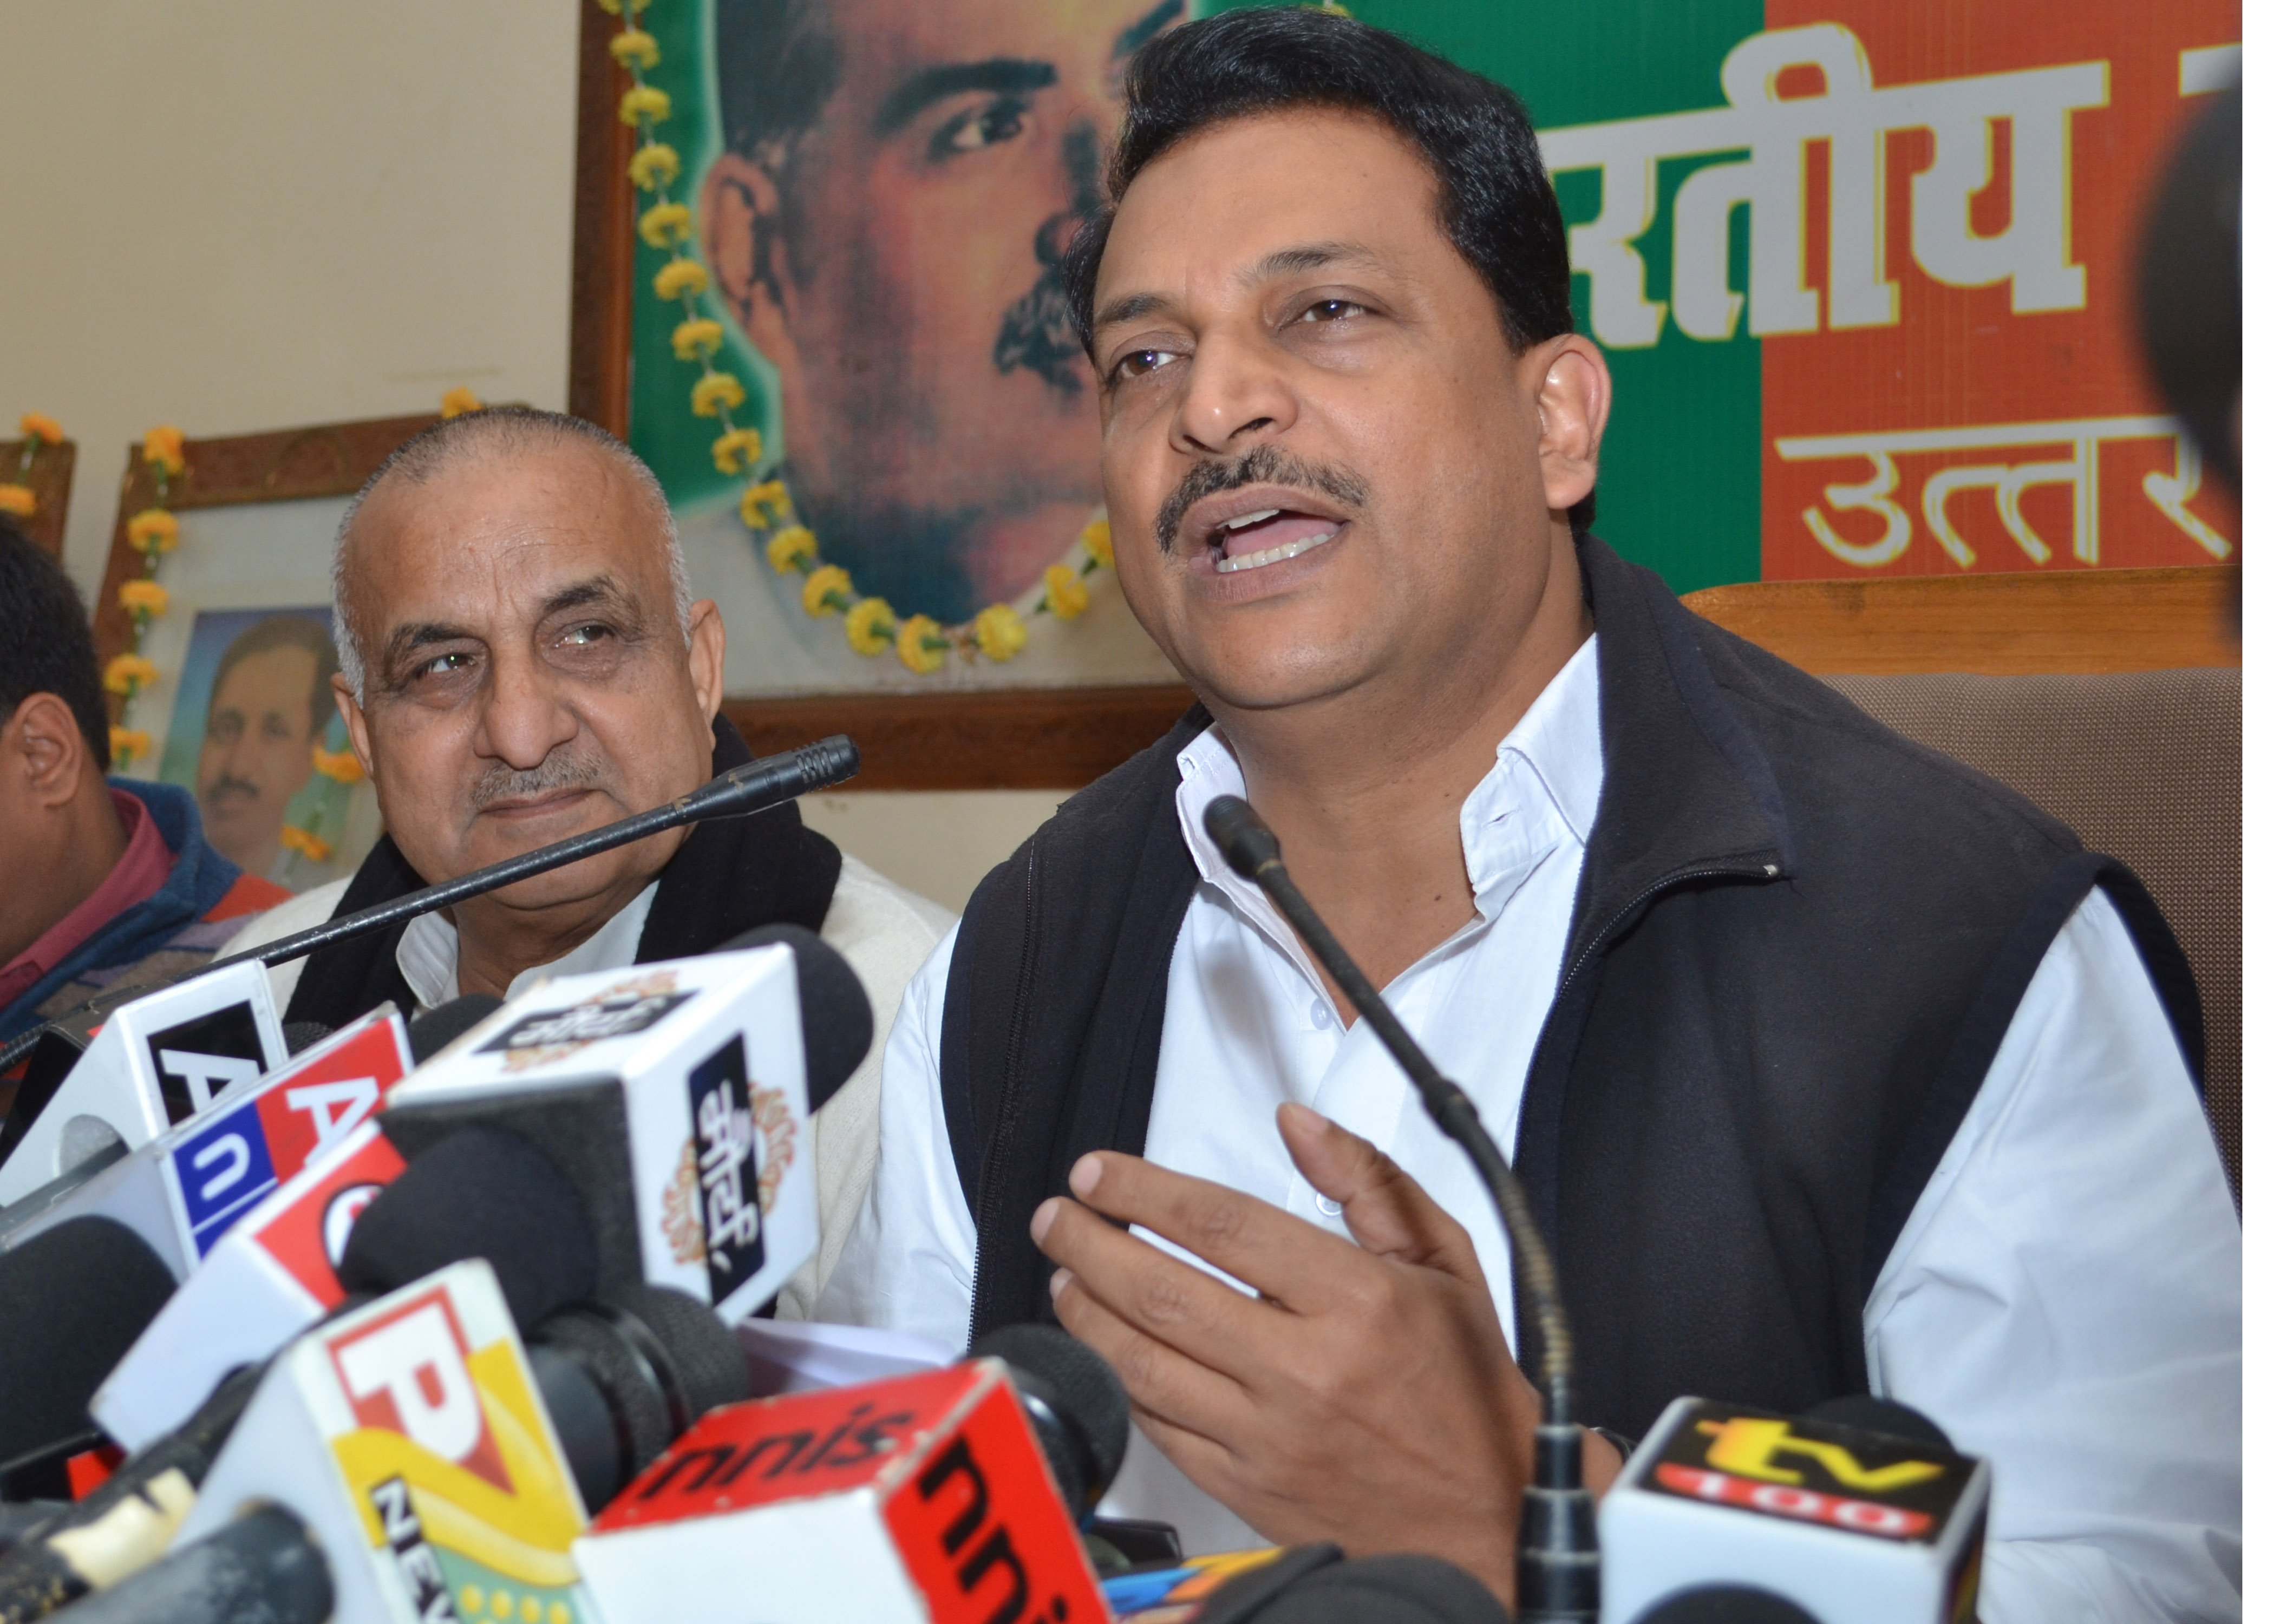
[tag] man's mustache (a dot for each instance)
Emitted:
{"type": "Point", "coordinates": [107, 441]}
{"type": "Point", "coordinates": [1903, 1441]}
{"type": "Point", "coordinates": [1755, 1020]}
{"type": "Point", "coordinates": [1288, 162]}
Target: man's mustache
{"type": "Point", "coordinates": [1038, 334]}
{"type": "Point", "coordinates": [1264, 465]}
{"type": "Point", "coordinates": [557, 771]}
{"type": "Point", "coordinates": [221, 786]}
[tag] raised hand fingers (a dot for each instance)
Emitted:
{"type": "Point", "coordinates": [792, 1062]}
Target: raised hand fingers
{"type": "Point", "coordinates": [1166, 1298]}
{"type": "Point", "coordinates": [1385, 1210]}
{"type": "Point", "coordinates": [1161, 1379]}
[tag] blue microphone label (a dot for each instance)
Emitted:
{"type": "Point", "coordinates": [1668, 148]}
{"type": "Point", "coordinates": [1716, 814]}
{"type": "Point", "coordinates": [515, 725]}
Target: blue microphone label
{"type": "Point", "coordinates": [726, 1150]}
{"type": "Point", "coordinates": [221, 1171]}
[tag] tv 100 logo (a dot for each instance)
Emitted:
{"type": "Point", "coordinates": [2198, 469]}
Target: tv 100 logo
{"type": "Point", "coordinates": [246, 1151]}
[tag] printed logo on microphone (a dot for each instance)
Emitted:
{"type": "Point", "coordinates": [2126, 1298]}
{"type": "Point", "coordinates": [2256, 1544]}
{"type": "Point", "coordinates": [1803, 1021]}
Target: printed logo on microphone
{"type": "Point", "coordinates": [620, 1010]}
{"type": "Point", "coordinates": [406, 1372]}
{"type": "Point", "coordinates": [308, 1234]}
{"type": "Point", "coordinates": [729, 1170]}
{"type": "Point", "coordinates": [197, 1059]}
{"type": "Point", "coordinates": [1812, 1471]}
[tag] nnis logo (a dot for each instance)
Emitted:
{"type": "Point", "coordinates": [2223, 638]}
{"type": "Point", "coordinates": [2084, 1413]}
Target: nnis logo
{"type": "Point", "coordinates": [407, 1372]}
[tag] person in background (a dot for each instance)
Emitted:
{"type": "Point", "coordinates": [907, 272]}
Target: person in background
{"type": "Point", "coordinates": [108, 882]}
{"type": "Point", "coordinates": [272, 695]}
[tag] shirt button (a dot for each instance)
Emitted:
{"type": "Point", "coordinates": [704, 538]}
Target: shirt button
{"type": "Point", "coordinates": [1332, 1209]}
{"type": "Point", "coordinates": [1321, 1015]}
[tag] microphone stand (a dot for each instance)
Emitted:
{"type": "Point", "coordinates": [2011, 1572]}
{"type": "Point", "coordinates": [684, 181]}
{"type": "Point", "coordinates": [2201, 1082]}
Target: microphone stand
{"type": "Point", "coordinates": [751, 788]}
{"type": "Point", "coordinates": [1558, 1566]}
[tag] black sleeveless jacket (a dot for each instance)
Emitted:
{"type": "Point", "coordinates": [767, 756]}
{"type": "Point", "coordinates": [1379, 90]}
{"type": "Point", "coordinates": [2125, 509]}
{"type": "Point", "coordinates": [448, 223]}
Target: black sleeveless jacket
{"type": "Point", "coordinates": [1797, 942]}
{"type": "Point", "coordinates": [726, 877]}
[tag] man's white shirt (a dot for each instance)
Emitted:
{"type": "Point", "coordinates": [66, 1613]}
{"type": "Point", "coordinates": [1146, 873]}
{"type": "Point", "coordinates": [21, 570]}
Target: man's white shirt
{"type": "Point", "coordinates": [2064, 1300]}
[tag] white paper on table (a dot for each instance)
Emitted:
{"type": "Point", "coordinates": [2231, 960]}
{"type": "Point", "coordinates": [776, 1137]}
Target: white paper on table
{"type": "Point", "coordinates": [795, 1355]}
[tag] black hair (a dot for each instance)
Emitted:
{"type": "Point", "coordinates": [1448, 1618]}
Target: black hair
{"type": "Point", "coordinates": [778, 66]}
{"type": "Point", "coordinates": [287, 631]}
{"type": "Point", "coordinates": [1496, 201]}
{"type": "Point", "coordinates": [46, 645]}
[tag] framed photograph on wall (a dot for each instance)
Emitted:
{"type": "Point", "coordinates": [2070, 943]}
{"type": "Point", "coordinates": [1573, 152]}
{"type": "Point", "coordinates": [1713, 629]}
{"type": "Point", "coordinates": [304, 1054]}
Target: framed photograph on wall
{"type": "Point", "coordinates": [240, 711]}
{"type": "Point", "coordinates": [1863, 277]}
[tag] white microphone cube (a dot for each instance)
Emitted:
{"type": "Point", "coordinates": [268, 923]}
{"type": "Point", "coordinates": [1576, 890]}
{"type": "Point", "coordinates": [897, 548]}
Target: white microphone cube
{"type": "Point", "coordinates": [1856, 1527]}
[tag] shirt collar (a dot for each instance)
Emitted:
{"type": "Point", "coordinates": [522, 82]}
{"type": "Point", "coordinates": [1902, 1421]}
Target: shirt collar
{"type": "Point", "coordinates": [427, 955]}
{"type": "Point", "coordinates": [1541, 791]}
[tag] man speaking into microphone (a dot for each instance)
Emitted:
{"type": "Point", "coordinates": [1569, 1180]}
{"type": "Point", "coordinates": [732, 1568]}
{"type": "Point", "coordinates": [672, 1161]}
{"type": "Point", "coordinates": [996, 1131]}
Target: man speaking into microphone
{"type": "Point", "coordinates": [520, 662]}
{"type": "Point", "coordinates": [1829, 1065]}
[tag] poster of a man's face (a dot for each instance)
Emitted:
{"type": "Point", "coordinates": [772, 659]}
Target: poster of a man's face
{"type": "Point", "coordinates": [271, 699]}
{"type": "Point", "coordinates": [898, 182]}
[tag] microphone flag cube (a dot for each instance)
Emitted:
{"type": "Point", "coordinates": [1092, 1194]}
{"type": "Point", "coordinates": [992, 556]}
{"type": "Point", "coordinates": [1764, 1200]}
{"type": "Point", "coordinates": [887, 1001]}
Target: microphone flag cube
{"type": "Point", "coordinates": [409, 1436]}
{"type": "Point", "coordinates": [1854, 1525]}
{"type": "Point", "coordinates": [923, 1498]}
{"type": "Point", "coordinates": [268, 1279]}
{"type": "Point", "coordinates": [673, 1095]}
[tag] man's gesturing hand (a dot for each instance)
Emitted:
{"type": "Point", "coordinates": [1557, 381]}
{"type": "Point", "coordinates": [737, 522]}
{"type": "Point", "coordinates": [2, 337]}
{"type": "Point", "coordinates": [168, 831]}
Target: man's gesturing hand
{"type": "Point", "coordinates": [1365, 1396]}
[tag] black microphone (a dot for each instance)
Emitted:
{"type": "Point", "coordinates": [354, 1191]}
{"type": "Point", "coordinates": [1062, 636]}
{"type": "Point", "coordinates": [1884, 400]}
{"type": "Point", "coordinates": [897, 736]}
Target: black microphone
{"type": "Point", "coordinates": [440, 1027]}
{"type": "Point", "coordinates": [262, 1568]}
{"type": "Point", "coordinates": [1313, 1584]}
{"type": "Point", "coordinates": [832, 1008]}
{"type": "Point", "coordinates": [73, 1300]}
{"type": "Point", "coordinates": [1559, 1567]}
{"type": "Point", "coordinates": [1728, 1604]}
{"type": "Point", "coordinates": [751, 788]}
{"type": "Point", "coordinates": [1078, 1408]}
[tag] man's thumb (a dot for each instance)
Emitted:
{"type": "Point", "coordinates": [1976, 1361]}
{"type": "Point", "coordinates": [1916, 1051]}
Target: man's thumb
{"type": "Point", "coordinates": [1386, 1212]}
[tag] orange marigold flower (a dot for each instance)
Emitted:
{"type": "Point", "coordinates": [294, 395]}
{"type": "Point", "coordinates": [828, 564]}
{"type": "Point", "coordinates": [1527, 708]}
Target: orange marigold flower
{"type": "Point", "coordinates": [999, 631]}
{"type": "Point", "coordinates": [127, 744]}
{"type": "Point", "coordinates": [460, 400]}
{"type": "Point", "coordinates": [162, 448]}
{"type": "Point", "coordinates": [143, 597]}
{"type": "Point", "coordinates": [920, 645]}
{"type": "Point", "coordinates": [127, 673]}
{"type": "Point", "coordinates": [17, 500]}
{"type": "Point", "coordinates": [154, 529]}
{"type": "Point", "coordinates": [340, 766]}
{"type": "Point", "coordinates": [307, 842]}
{"type": "Point", "coordinates": [39, 426]}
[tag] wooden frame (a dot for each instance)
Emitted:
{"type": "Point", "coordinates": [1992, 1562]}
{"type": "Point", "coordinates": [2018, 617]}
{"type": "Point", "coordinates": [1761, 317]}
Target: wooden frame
{"type": "Point", "coordinates": [327, 459]}
{"type": "Point", "coordinates": [1030, 738]}
{"type": "Point", "coordinates": [1992, 625]}
{"type": "Point", "coordinates": [50, 481]}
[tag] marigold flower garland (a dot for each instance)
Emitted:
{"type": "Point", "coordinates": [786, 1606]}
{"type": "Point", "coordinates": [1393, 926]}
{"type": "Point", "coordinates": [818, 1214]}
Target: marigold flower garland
{"type": "Point", "coordinates": [38, 430]}
{"type": "Point", "coordinates": [151, 532]}
{"type": "Point", "coordinates": [871, 624]}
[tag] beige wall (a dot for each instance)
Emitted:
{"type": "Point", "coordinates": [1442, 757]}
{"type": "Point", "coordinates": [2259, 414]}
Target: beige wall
{"type": "Point", "coordinates": [275, 212]}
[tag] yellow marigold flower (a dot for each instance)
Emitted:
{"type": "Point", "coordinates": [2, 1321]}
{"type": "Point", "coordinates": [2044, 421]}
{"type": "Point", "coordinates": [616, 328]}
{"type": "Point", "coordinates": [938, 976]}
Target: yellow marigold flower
{"type": "Point", "coordinates": [307, 842]}
{"type": "Point", "coordinates": [340, 766]}
{"type": "Point", "coordinates": [154, 529]}
{"type": "Point", "coordinates": [694, 338]}
{"type": "Point", "coordinates": [126, 744]}
{"type": "Point", "coordinates": [162, 448]}
{"type": "Point", "coordinates": [643, 101]}
{"type": "Point", "coordinates": [127, 673]}
{"type": "Point", "coordinates": [869, 626]}
{"type": "Point", "coordinates": [765, 504]}
{"type": "Point", "coordinates": [634, 45]}
{"type": "Point", "coordinates": [39, 426]}
{"type": "Point", "coordinates": [143, 597]}
{"type": "Point", "coordinates": [654, 167]}
{"type": "Point", "coordinates": [999, 630]}
{"type": "Point", "coordinates": [680, 277]}
{"type": "Point", "coordinates": [828, 587]}
{"type": "Point", "coordinates": [787, 548]}
{"type": "Point", "coordinates": [920, 645]}
{"type": "Point", "coordinates": [1064, 591]}
{"type": "Point", "coordinates": [666, 224]}
{"type": "Point", "coordinates": [715, 390]}
{"type": "Point", "coordinates": [737, 450]}
{"type": "Point", "coordinates": [615, 8]}
{"type": "Point", "coordinates": [1098, 541]}
{"type": "Point", "coordinates": [17, 500]}
{"type": "Point", "coordinates": [460, 400]}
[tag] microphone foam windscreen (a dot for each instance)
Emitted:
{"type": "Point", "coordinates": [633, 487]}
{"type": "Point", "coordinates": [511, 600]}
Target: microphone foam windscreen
{"type": "Point", "coordinates": [478, 1191]}
{"type": "Point", "coordinates": [1726, 1603]}
{"type": "Point", "coordinates": [833, 1007]}
{"type": "Point", "coordinates": [1868, 1414]}
{"type": "Point", "coordinates": [438, 1028]}
{"type": "Point", "coordinates": [1373, 1590]}
{"type": "Point", "coordinates": [73, 1300]}
{"type": "Point", "coordinates": [303, 1035]}
{"type": "Point", "coordinates": [708, 1362]}
{"type": "Point", "coordinates": [1074, 1380]}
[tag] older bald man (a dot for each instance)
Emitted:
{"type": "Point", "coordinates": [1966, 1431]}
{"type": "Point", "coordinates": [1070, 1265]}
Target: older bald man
{"type": "Point", "coordinates": [520, 662]}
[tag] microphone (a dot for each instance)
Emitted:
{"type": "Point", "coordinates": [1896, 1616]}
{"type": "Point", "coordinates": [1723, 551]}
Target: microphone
{"type": "Point", "coordinates": [438, 1028]}
{"type": "Point", "coordinates": [159, 1058]}
{"type": "Point", "coordinates": [1311, 1584]}
{"type": "Point", "coordinates": [1558, 1566]}
{"type": "Point", "coordinates": [751, 788]}
{"type": "Point", "coordinates": [832, 1008]}
{"type": "Point", "coordinates": [673, 1096]}
{"type": "Point", "coordinates": [263, 1568]}
{"type": "Point", "coordinates": [1860, 1511]}
{"type": "Point", "coordinates": [76, 1297]}
{"type": "Point", "coordinates": [925, 1497]}
{"type": "Point", "coordinates": [1076, 1405]}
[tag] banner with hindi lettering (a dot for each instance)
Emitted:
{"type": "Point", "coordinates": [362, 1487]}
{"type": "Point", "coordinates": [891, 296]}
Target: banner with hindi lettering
{"type": "Point", "coordinates": [1863, 269]}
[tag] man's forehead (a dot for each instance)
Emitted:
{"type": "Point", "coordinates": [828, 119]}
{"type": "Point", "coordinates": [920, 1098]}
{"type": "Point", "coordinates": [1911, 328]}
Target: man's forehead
{"type": "Point", "coordinates": [881, 42]}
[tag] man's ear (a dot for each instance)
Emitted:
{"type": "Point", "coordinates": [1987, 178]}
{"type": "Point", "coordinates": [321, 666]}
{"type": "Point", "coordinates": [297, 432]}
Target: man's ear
{"type": "Point", "coordinates": [1575, 407]}
{"type": "Point", "coordinates": [358, 726]}
{"type": "Point", "coordinates": [743, 240]}
{"type": "Point", "coordinates": [45, 746]}
{"type": "Point", "coordinates": [706, 655]}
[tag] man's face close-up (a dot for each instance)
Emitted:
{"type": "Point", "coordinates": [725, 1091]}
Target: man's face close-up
{"type": "Point", "coordinates": [1321, 457]}
{"type": "Point", "coordinates": [260, 730]}
{"type": "Point", "coordinates": [937, 406]}
{"type": "Point", "coordinates": [525, 675]}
